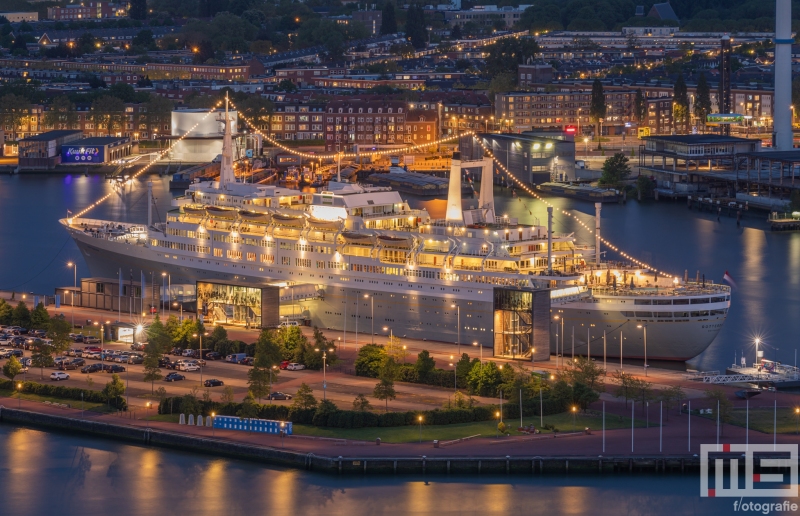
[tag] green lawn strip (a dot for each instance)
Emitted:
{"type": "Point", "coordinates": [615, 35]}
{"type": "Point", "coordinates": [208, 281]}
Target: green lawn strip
{"type": "Point", "coordinates": [487, 429]}
{"type": "Point", "coordinates": [761, 419]}
{"type": "Point", "coordinates": [87, 405]}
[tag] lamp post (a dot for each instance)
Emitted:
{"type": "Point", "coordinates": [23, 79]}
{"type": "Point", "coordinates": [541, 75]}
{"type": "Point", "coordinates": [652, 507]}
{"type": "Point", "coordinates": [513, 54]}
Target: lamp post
{"type": "Point", "coordinates": [496, 427]}
{"type": "Point", "coordinates": [201, 354]}
{"type": "Point", "coordinates": [758, 341]}
{"type": "Point", "coordinates": [324, 366]}
{"type": "Point", "coordinates": [455, 374]}
{"type": "Point", "coordinates": [74, 287]}
{"type": "Point", "coordinates": [420, 429]}
{"type": "Point", "coordinates": [163, 292]}
{"type": "Point", "coordinates": [481, 350]}
{"type": "Point", "coordinates": [574, 413]}
{"type": "Point", "coordinates": [644, 327]}
{"type": "Point", "coordinates": [19, 394]}
{"type": "Point", "coordinates": [213, 415]}
{"type": "Point", "coordinates": [458, 314]}
{"type": "Point", "coordinates": [138, 329]}
{"type": "Point", "coordinates": [372, 303]}
{"type": "Point", "coordinates": [585, 148]}
{"type": "Point", "coordinates": [270, 383]}
{"type": "Point", "coordinates": [181, 307]}
{"type": "Point", "coordinates": [147, 416]}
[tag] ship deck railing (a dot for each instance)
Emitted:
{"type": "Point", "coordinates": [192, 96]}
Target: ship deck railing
{"type": "Point", "coordinates": [672, 291]}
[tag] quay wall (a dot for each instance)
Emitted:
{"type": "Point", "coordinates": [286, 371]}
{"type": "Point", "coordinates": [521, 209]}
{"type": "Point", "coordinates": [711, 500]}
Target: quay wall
{"type": "Point", "coordinates": [414, 465]}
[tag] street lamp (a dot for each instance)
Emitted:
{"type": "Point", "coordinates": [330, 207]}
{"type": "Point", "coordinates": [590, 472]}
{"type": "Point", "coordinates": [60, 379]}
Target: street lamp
{"type": "Point", "coordinates": [458, 312]}
{"type": "Point", "coordinates": [147, 414]}
{"type": "Point", "coordinates": [200, 363]}
{"type": "Point", "coordinates": [758, 341]}
{"type": "Point", "coordinates": [455, 375]}
{"type": "Point", "coordinates": [497, 426]}
{"type": "Point", "coordinates": [420, 429]}
{"type": "Point", "coordinates": [372, 302]}
{"type": "Point", "coordinates": [797, 425]}
{"type": "Point", "coordinates": [586, 148]}
{"type": "Point", "coordinates": [481, 350]}
{"type": "Point", "coordinates": [181, 305]}
{"type": "Point", "coordinates": [574, 412]}
{"type": "Point", "coordinates": [273, 368]}
{"type": "Point", "coordinates": [324, 359]}
{"type": "Point", "coordinates": [19, 395]}
{"type": "Point", "coordinates": [213, 415]}
{"type": "Point", "coordinates": [640, 326]}
{"type": "Point", "coordinates": [74, 287]}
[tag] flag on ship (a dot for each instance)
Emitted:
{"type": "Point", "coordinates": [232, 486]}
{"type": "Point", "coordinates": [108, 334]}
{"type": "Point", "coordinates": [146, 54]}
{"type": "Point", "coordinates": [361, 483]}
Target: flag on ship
{"type": "Point", "coordinates": [729, 279]}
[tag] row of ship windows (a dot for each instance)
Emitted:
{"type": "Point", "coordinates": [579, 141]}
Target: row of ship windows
{"type": "Point", "coordinates": [698, 301]}
{"type": "Point", "coordinates": [669, 315]}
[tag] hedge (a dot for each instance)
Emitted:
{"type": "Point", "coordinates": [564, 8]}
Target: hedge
{"type": "Point", "coordinates": [60, 391]}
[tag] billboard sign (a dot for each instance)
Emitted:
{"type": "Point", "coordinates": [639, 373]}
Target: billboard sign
{"type": "Point", "coordinates": [724, 118]}
{"type": "Point", "coordinates": [81, 155]}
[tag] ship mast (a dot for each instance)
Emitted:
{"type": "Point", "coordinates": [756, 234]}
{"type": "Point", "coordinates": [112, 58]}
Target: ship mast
{"type": "Point", "coordinates": [226, 175]}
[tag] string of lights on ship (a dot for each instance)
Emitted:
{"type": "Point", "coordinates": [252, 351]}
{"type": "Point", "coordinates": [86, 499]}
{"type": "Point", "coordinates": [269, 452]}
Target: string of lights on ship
{"type": "Point", "coordinates": [341, 155]}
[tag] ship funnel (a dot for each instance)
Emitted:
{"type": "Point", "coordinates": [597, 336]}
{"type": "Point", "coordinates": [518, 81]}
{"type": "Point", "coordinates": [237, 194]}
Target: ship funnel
{"type": "Point", "coordinates": [783, 75]}
{"type": "Point", "coordinates": [454, 213]}
{"type": "Point", "coordinates": [226, 175]}
{"type": "Point", "coordinates": [486, 199]}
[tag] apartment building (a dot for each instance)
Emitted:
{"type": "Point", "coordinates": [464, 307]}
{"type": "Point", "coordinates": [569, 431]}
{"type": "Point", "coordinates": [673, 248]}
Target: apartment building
{"type": "Point", "coordinates": [422, 125]}
{"type": "Point", "coordinates": [358, 122]}
{"type": "Point", "coordinates": [525, 111]}
{"type": "Point", "coordinates": [660, 118]}
{"type": "Point", "coordinates": [490, 15]}
{"type": "Point", "coordinates": [296, 122]}
{"type": "Point", "coordinates": [87, 11]}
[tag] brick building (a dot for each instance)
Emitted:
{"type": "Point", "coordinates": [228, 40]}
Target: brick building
{"type": "Point", "coordinates": [529, 74]}
{"type": "Point", "coordinates": [659, 115]}
{"type": "Point", "coordinates": [524, 111]}
{"type": "Point", "coordinates": [371, 19]}
{"type": "Point", "coordinates": [359, 122]}
{"type": "Point", "coordinates": [297, 122]}
{"type": "Point", "coordinates": [422, 125]}
{"type": "Point", "coordinates": [87, 11]}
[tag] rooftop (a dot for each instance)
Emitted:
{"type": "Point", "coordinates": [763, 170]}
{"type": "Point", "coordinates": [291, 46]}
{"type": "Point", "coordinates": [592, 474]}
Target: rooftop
{"type": "Point", "coordinates": [50, 135]}
{"type": "Point", "coordinates": [697, 139]}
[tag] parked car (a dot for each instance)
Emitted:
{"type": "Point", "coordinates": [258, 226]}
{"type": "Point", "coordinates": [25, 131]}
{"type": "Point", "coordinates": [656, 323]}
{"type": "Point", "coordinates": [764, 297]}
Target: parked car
{"type": "Point", "coordinates": [114, 368]}
{"type": "Point", "coordinates": [279, 396]}
{"type": "Point", "coordinates": [16, 352]}
{"type": "Point", "coordinates": [91, 340]}
{"type": "Point", "coordinates": [135, 359]}
{"type": "Point", "coordinates": [5, 353]}
{"type": "Point", "coordinates": [294, 366]}
{"type": "Point", "coordinates": [284, 364]}
{"type": "Point", "coordinates": [176, 351]}
{"type": "Point", "coordinates": [92, 354]}
{"type": "Point", "coordinates": [78, 361]}
{"type": "Point", "coordinates": [92, 368]}
{"type": "Point", "coordinates": [248, 361]}
{"type": "Point", "coordinates": [66, 365]}
{"type": "Point", "coordinates": [235, 357]}
{"type": "Point", "coordinates": [26, 362]}
{"type": "Point", "coordinates": [164, 362]}
{"type": "Point", "coordinates": [58, 360]}
{"type": "Point", "coordinates": [187, 366]}
{"type": "Point", "coordinates": [59, 375]}
{"type": "Point", "coordinates": [174, 377]}
{"type": "Point", "coordinates": [212, 355]}
{"type": "Point", "coordinates": [213, 383]}
{"type": "Point", "coordinates": [287, 324]}
{"type": "Point", "coordinates": [139, 346]}
{"type": "Point", "coordinates": [38, 333]}
{"type": "Point", "coordinates": [188, 353]}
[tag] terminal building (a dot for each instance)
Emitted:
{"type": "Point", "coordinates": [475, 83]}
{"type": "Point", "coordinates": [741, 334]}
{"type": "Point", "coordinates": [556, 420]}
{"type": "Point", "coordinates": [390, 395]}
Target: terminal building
{"type": "Point", "coordinates": [98, 151]}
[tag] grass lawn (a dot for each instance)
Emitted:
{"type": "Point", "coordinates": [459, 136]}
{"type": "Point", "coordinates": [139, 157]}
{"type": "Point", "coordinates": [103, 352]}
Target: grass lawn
{"type": "Point", "coordinates": [400, 434]}
{"type": "Point", "coordinates": [761, 419]}
{"type": "Point", "coordinates": [87, 405]}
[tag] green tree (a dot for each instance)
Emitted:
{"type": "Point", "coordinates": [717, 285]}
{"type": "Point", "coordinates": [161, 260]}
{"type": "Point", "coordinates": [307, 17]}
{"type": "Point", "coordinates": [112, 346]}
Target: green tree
{"type": "Point", "coordinates": [615, 170]}
{"type": "Point", "coordinates": [586, 371]}
{"type": "Point", "coordinates": [6, 313]}
{"type": "Point", "coordinates": [640, 107]}
{"type": "Point", "coordinates": [248, 408]}
{"type": "Point", "coordinates": [58, 332]}
{"type": "Point", "coordinates": [227, 395]}
{"type": "Point", "coordinates": [501, 83]}
{"type": "Point", "coordinates": [725, 406]}
{"type": "Point", "coordinates": [158, 112]}
{"type": "Point", "coordinates": [681, 104]}
{"type": "Point", "coordinates": [645, 186]}
{"type": "Point", "coordinates": [624, 385]}
{"type": "Point", "coordinates": [384, 391]}
{"type": "Point", "coordinates": [41, 355]}
{"type": "Point", "coordinates": [108, 112]}
{"type": "Point", "coordinates": [597, 106]}
{"type": "Point", "coordinates": [114, 390]}
{"type": "Point", "coordinates": [583, 395]}
{"type": "Point", "coordinates": [484, 379]}
{"type": "Point", "coordinates": [424, 365]}
{"type": "Point", "coordinates": [21, 316]}
{"type": "Point", "coordinates": [61, 113]}
{"type": "Point", "coordinates": [388, 19]}
{"type": "Point", "coordinates": [158, 341]}
{"type": "Point", "coordinates": [361, 403]}
{"type": "Point", "coordinates": [304, 398]}
{"type": "Point", "coordinates": [290, 340]}
{"type": "Point", "coordinates": [267, 356]}
{"type": "Point", "coordinates": [257, 110]}
{"type": "Point", "coordinates": [702, 101]}
{"type": "Point", "coordinates": [370, 360]}
{"type": "Point", "coordinates": [671, 397]}
{"type": "Point", "coordinates": [14, 112]}
{"type": "Point", "coordinates": [12, 368]}
{"type": "Point", "coordinates": [505, 56]}
{"type": "Point", "coordinates": [415, 26]}
{"type": "Point", "coordinates": [40, 319]}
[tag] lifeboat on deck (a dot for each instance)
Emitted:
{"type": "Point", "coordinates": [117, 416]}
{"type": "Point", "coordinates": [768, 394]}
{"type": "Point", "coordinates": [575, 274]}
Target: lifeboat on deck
{"type": "Point", "coordinates": [282, 219]}
{"type": "Point", "coordinates": [199, 211]}
{"type": "Point", "coordinates": [218, 212]}
{"type": "Point", "coordinates": [392, 241]}
{"type": "Point", "coordinates": [329, 225]}
{"type": "Point", "coordinates": [255, 216]}
{"type": "Point", "coordinates": [351, 237]}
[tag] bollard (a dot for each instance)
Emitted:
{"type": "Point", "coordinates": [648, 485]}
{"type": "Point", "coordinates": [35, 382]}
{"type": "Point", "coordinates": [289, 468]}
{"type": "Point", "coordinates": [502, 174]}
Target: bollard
{"type": "Point", "coordinates": [209, 422]}
{"type": "Point", "coordinates": [191, 419]}
{"type": "Point", "coordinates": [378, 441]}
{"type": "Point", "coordinates": [182, 420]}
{"type": "Point", "coordinates": [435, 443]}
{"type": "Point", "coordinates": [200, 420]}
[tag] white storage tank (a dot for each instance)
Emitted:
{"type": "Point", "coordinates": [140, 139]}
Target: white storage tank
{"type": "Point", "coordinates": [183, 120]}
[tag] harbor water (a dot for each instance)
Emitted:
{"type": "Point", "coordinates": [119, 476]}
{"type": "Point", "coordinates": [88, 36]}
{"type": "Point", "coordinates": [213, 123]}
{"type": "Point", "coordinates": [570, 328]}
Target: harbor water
{"type": "Point", "coordinates": [54, 473]}
{"type": "Point", "coordinates": [35, 250]}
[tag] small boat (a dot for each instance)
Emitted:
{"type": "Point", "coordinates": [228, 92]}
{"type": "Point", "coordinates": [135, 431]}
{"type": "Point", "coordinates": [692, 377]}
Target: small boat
{"type": "Point", "coordinates": [194, 210]}
{"type": "Point", "coordinates": [219, 212]}
{"type": "Point", "coordinates": [580, 191]}
{"type": "Point", "coordinates": [358, 238]}
{"type": "Point", "coordinates": [255, 216]}
{"type": "Point", "coordinates": [747, 393]}
{"type": "Point", "coordinates": [282, 219]}
{"type": "Point", "coordinates": [324, 224]}
{"type": "Point", "coordinates": [392, 241]}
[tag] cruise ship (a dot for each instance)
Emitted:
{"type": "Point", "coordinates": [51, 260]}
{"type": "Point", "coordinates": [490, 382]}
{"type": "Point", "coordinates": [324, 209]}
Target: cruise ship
{"type": "Point", "coordinates": [359, 259]}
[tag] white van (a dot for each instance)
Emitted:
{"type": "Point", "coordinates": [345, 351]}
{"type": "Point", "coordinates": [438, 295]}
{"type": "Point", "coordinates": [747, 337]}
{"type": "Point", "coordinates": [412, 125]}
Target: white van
{"type": "Point", "coordinates": [286, 324]}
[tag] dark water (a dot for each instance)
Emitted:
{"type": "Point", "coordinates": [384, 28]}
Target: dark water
{"type": "Point", "coordinates": [34, 249]}
{"type": "Point", "coordinates": [48, 473]}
